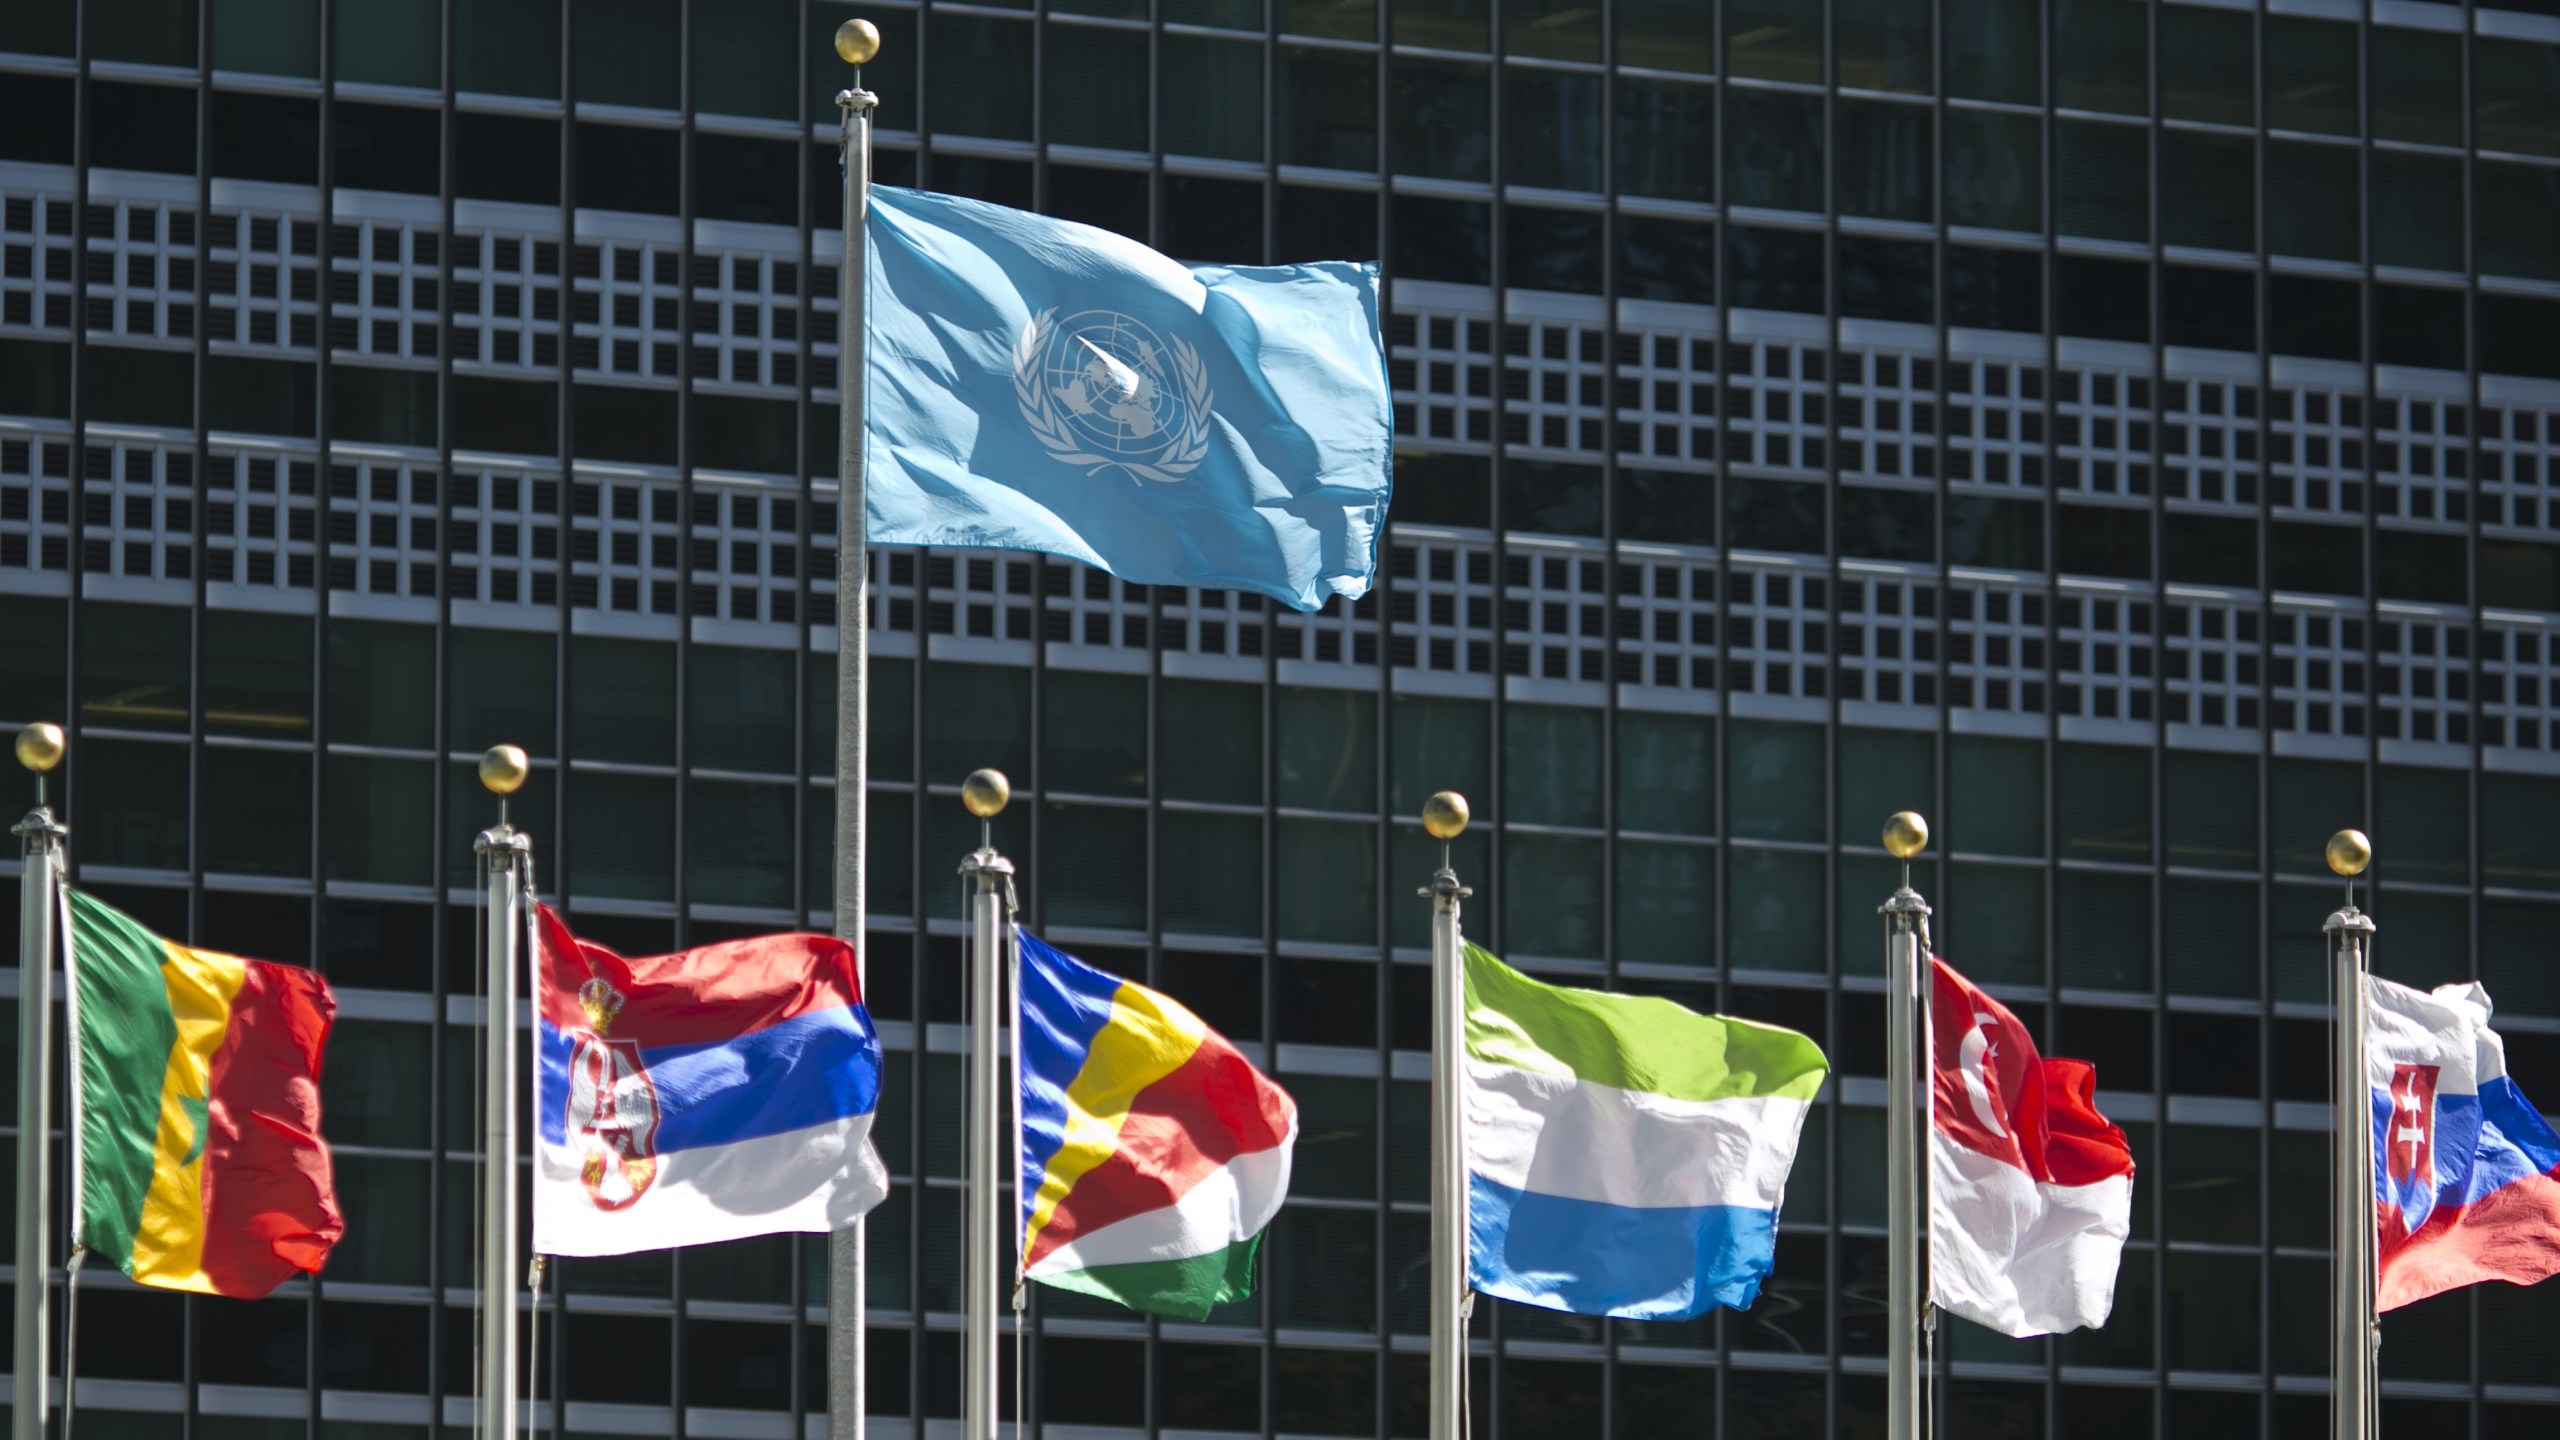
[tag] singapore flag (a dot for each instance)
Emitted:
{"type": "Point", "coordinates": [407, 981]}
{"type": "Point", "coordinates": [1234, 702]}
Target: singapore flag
{"type": "Point", "coordinates": [2031, 1189]}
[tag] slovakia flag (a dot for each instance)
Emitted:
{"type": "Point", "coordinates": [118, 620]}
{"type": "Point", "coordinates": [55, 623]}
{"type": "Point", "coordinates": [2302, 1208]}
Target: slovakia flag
{"type": "Point", "coordinates": [2466, 1173]}
{"type": "Point", "coordinates": [2030, 1188]}
{"type": "Point", "coordinates": [703, 1096]}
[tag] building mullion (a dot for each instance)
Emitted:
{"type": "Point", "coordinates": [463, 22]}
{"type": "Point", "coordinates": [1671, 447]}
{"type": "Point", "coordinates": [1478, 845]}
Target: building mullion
{"type": "Point", "coordinates": [1721, 799]}
{"type": "Point", "coordinates": [313, 1360]}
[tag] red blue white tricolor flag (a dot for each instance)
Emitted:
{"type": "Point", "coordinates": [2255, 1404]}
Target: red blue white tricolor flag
{"type": "Point", "coordinates": [2466, 1173]}
{"type": "Point", "coordinates": [707, 1095]}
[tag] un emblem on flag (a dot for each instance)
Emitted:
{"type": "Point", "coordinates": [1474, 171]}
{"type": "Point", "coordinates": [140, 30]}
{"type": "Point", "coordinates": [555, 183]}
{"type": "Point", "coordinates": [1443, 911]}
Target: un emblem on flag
{"type": "Point", "coordinates": [1101, 391]}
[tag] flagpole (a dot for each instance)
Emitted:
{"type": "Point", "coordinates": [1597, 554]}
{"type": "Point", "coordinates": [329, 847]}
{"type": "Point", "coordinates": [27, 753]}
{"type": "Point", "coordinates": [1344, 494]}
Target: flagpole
{"type": "Point", "coordinates": [990, 877]}
{"type": "Point", "coordinates": [1906, 931]}
{"type": "Point", "coordinates": [857, 41]}
{"type": "Point", "coordinates": [506, 862]}
{"type": "Point", "coordinates": [40, 748]}
{"type": "Point", "coordinates": [1444, 817]}
{"type": "Point", "coordinates": [2354, 1334]}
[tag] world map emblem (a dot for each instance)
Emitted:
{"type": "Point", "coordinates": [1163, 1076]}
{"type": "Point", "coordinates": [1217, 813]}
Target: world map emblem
{"type": "Point", "coordinates": [1103, 392]}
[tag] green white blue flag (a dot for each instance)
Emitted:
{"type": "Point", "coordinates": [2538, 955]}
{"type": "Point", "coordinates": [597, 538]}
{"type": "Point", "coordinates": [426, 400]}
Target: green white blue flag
{"type": "Point", "coordinates": [1625, 1156]}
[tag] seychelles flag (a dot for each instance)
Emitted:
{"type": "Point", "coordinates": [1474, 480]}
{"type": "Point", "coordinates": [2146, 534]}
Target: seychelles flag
{"type": "Point", "coordinates": [708, 1095]}
{"type": "Point", "coordinates": [195, 1109]}
{"type": "Point", "coordinates": [1153, 1154]}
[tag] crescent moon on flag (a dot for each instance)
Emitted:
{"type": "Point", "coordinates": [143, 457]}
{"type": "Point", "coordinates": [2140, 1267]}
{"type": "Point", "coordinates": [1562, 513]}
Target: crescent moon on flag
{"type": "Point", "coordinates": [1970, 1055]}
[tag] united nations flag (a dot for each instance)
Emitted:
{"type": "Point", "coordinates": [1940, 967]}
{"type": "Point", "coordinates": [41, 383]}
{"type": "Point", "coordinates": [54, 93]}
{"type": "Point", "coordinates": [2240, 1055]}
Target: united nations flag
{"type": "Point", "coordinates": [1035, 384]}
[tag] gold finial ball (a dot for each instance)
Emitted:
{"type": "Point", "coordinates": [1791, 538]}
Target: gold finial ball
{"type": "Point", "coordinates": [1445, 815]}
{"type": "Point", "coordinates": [857, 41]}
{"type": "Point", "coordinates": [504, 768]}
{"type": "Point", "coordinates": [986, 792]}
{"type": "Point", "coordinates": [2350, 852]}
{"type": "Point", "coordinates": [40, 746]}
{"type": "Point", "coordinates": [1906, 834]}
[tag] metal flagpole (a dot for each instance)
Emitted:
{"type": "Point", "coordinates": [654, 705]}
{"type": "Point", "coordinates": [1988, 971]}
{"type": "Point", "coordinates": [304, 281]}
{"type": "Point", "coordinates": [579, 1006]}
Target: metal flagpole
{"type": "Point", "coordinates": [847, 1284]}
{"type": "Point", "coordinates": [506, 863]}
{"type": "Point", "coordinates": [2354, 1334]}
{"type": "Point", "coordinates": [990, 877]}
{"type": "Point", "coordinates": [1444, 817]}
{"type": "Point", "coordinates": [39, 749]}
{"type": "Point", "coordinates": [1905, 940]}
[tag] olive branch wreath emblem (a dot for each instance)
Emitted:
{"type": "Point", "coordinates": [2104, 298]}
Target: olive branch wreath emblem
{"type": "Point", "coordinates": [1181, 454]}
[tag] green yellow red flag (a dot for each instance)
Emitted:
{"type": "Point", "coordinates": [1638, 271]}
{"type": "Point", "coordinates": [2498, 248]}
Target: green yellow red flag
{"type": "Point", "coordinates": [195, 1109]}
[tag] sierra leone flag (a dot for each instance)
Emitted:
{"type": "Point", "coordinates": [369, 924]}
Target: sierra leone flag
{"type": "Point", "coordinates": [1153, 1154]}
{"type": "Point", "coordinates": [1625, 1156]}
{"type": "Point", "coordinates": [195, 1109]}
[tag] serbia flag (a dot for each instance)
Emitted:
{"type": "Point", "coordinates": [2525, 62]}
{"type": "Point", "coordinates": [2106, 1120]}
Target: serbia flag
{"type": "Point", "coordinates": [702, 1096]}
{"type": "Point", "coordinates": [2466, 1172]}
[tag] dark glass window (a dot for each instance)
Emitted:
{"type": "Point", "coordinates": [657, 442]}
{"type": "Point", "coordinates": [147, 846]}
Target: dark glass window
{"type": "Point", "coordinates": [2102, 51]}
{"type": "Point", "coordinates": [141, 387]}
{"type": "Point", "coordinates": [1772, 40]}
{"type": "Point", "coordinates": [501, 47]}
{"type": "Point", "coordinates": [2413, 566]}
{"type": "Point", "coordinates": [1327, 224]}
{"type": "Point", "coordinates": [1887, 279]}
{"type": "Point", "coordinates": [509, 417]}
{"type": "Point", "coordinates": [1666, 139]}
{"type": "Point", "coordinates": [1551, 498]}
{"type": "Point", "coordinates": [2314, 199]}
{"type": "Point", "coordinates": [395, 42]}
{"type": "Point", "coordinates": [1880, 45]}
{"type": "Point", "coordinates": [1774, 269]}
{"type": "Point", "coordinates": [1666, 259]}
{"type": "Point", "coordinates": [744, 53]}
{"type": "Point", "coordinates": [1781, 515]}
{"type": "Point", "coordinates": [1443, 240]}
{"type": "Point", "coordinates": [2100, 542]}
{"type": "Point", "coordinates": [2414, 80]}
{"type": "Point", "coordinates": [2323, 319]}
{"type": "Point", "coordinates": [629, 52]}
{"type": "Point", "coordinates": [1674, 509]}
{"type": "Point", "coordinates": [743, 432]}
{"type": "Point", "coordinates": [1106, 106]}
{"type": "Point", "coordinates": [2515, 96]}
{"type": "Point", "coordinates": [2316, 559]}
{"type": "Point", "coordinates": [737, 178]}
{"type": "Point", "coordinates": [2003, 534]}
{"type": "Point", "coordinates": [2205, 69]}
{"type": "Point", "coordinates": [1443, 489]}
{"type": "Point", "coordinates": [506, 157]}
{"type": "Point", "coordinates": [1879, 524]}
{"type": "Point", "coordinates": [1442, 24]}
{"type": "Point", "coordinates": [1665, 34]}
{"type": "Point", "coordinates": [2518, 214]}
{"type": "Point", "coordinates": [2214, 309]}
{"type": "Point", "coordinates": [1880, 165]}
{"type": "Point", "coordinates": [1995, 289]}
{"type": "Point", "coordinates": [1551, 249]}
{"type": "Point", "coordinates": [35, 378]}
{"type": "Point", "coordinates": [2214, 179]}
{"type": "Point", "coordinates": [1443, 112]}
{"type": "Point", "coordinates": [1546, 29]}
{"type": "Point", "coordinates": [616, 422]}
{"type": "Point", "coordinates": [1995, 50]}
{"type": "Point", "coordinates": [390, 407]}
{"type": "Point", "coordinates": [264, 37]}
{"type": "Point", "coordinates": [1328, 109]}
{"type": "Point", "coordinates": [144, 32]}
{"type": "Point", "coordinates": [1213, 221]}
{"type": "Point", "coordinates": [1212, 100]}
{"type": "Point", "coordinates": [2211, 549]}
{"type": "Point", "coordinates": [1551, 130]}
{"type": "Point", "coordinates": [2417, 210]}
{"type": "Point", "coordinates": [2515, 337]}
{"type": "Point", "coordinates": [1114, 200]}
{"type": "Point", "coordinates": [266, 137]}
{"type": "Point", "coordinates": [139, 127]}
{"type": "Point", "coordinates": [979, 80]}
{"type": "Point", "coordinates": [999, 182]}
{"type": "Point", "coordinates": [2102, 299]}
{"type": "Point", "coordinates": [623, 167]}
{"type": "Point", "coordinates": [1995, 170]}
{"type": "Point", "coordinates": [390, 147]}
{"type": "Point", "coordinates": [1773, 149]}
{"type": "Point", "coordinates": [2104, 175]}
{"type": "Point", "coordinates": [2311, 75]}
{"type": "Point", "coordinates": [31, 111]}
{"type": "Point", "coordinates": [261, 397]}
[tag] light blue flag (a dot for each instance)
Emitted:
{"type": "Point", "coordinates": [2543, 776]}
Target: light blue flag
{"type": "Point", "coordinates": [1041, 385]}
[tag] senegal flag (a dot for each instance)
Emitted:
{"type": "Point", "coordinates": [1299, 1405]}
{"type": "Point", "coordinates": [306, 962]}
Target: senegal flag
{"type": "Point", "coordinates": [195, 1109]}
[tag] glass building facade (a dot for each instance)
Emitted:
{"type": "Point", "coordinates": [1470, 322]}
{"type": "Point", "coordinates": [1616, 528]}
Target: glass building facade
{"type": "Point", "coordinates": [2128, 433]}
